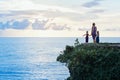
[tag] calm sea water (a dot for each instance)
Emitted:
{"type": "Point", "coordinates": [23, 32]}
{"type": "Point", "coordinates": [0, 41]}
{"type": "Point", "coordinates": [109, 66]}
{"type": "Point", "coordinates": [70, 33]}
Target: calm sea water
{"type": "Point", "coordinates": [35, 58]}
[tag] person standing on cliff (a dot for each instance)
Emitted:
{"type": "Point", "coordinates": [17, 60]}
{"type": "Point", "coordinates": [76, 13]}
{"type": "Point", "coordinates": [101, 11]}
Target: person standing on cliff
{"type": "Point", "coordinates": [86, 37]}
{"type": "Point", "coordinates": [97, 37]}
{"type": "Point", "coordinates": [93, 32]}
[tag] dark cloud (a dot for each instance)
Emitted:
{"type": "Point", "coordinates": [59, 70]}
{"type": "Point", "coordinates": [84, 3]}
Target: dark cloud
{"type": "Point", "coordinates": [21, 24]}
{"type": "Point", "coordinates": [5, 25]}
{"type": "Point", "coordinates": [92, 3]}
{"type": "Point", "coordinates": [2, 25]}
{"type": "Point", "coordinates": [39, 25]}
{"type": "Point", "coordinates": [44, 25]}
{"type": "Point", "coordinates": [15, 24]}
{"type": "Point", "coordinates": [55, 26]}
{"type": "Point", "coordinates": [36, 25]}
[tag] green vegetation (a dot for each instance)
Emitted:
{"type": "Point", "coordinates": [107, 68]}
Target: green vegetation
{"type": "Point", "coordinates": [92, 61]}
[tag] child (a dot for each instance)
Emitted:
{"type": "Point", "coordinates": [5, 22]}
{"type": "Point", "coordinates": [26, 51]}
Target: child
{"type": "Point", "coordinates": [86, 37]}
{"type": "Point", "coordinates": [97, 37]}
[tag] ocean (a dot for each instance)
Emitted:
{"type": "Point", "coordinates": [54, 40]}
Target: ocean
{"type": "Point", "coordinates": [35, 58]}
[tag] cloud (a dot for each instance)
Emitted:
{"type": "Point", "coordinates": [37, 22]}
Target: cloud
{"type": "Point", "coordinates": [74, 16]}
{"type": "Point", "coordinates": [55, 26]}
{"type": "Point", "coordinates": [15, 24]}
{"type": "Point", "coordinates": [31, 14]}
{"type": "Point", "coordinates": [31, 5]}
{"type": "Point", "coordinates": [112, 29]}
{"type": "Point", "coordinates": [36, 25]}
{"type": "Point", "coordinates": [97, 11]}
{"type": "Point", "coordinates": [21, 24]}
{"type": "Point", "coordinates": [47, 14]}
{"type": "Point", "coordinates": [2, 25]}
{"type": "Point", "coordinates": [5, 25]}
{"type": "Point", "coordinates": [15, 14]}
{"type": "Point", "coordinates": [92, 3]}
{"type": "Point", "coordinates": [39, 25]}
{"type": "Point", "coordinates": [83, 29]}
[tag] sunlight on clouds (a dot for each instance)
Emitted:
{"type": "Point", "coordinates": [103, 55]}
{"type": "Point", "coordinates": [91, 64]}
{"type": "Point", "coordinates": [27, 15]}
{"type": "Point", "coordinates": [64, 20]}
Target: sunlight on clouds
{"type": "Point", "coordinates": [57, 19]}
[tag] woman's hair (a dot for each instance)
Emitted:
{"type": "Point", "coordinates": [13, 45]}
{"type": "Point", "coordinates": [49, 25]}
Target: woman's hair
{"type": "Point", "coordinates": [93, 24]}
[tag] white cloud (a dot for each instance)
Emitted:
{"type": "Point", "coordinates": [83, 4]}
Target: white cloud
{"type": "Point", "coordinates": [74, 16]}
{"type": "Point", "coordinates": [84, 29]}
{"type": "Point", "coordinates": [55, 26]}
{"type": "Point", "coordinates": [28, 5]}
{"type": "Point", "coordinates": [96, 11]}
{"type": "Point", "coordinates": [16, 5]}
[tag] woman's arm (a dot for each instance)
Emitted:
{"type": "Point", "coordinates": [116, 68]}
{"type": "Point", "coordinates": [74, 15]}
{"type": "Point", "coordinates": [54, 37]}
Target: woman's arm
{"type": "Point", "coordinates": [84, 34]}
{"type": "Point", "coordinates": [91, 30]}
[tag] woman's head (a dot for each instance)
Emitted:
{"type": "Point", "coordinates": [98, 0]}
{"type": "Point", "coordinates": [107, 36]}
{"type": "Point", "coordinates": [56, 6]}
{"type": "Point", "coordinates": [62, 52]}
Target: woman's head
{"type": "Point", "coordinates": [93, 24]}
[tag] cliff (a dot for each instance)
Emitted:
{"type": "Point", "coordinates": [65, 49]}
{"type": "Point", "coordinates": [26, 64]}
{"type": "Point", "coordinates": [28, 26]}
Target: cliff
{"type": "Point", "coordinates": [92, 61]}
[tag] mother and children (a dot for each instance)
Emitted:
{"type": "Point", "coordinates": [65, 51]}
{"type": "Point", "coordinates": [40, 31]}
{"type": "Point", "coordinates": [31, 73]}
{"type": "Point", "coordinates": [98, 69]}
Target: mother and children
{"type": "Point", "coordinates": [94, 34]}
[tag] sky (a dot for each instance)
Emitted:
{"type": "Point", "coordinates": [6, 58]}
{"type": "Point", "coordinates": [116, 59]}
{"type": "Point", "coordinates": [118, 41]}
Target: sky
{"type": "Point", "coordinates": [58, 18]}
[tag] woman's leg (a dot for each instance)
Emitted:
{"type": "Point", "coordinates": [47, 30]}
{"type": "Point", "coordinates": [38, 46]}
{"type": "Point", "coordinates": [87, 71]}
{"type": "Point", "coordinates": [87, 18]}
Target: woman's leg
{"type": "Point", "coordinates": [93, 36]}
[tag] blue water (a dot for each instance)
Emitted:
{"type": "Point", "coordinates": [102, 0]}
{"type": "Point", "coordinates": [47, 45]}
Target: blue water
{"type": "Point", "coordinates": [35, 58]}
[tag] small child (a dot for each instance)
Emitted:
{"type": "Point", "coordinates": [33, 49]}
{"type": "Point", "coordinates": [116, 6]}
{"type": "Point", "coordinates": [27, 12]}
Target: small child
{"type": "Point", "coordinates": [97, 37]}
{"type": "Point", "coordinates": [86, 37]}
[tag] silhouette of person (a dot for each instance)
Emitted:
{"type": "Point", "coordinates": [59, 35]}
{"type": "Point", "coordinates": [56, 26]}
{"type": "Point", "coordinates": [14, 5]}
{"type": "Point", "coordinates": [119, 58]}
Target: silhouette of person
{"type": "Point", "coordinates": [86, 37]}
{"type": "Point", "coordinates": [97, 37]}
{"type": "Point", "coordinates": [93, 32]}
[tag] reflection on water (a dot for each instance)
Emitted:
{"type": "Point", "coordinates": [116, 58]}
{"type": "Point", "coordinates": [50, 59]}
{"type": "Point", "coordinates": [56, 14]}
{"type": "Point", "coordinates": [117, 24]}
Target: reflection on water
{"type": "Point", "coordinates": [31, 59]}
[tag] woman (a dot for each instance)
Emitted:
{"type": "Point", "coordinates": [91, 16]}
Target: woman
{"type": "Point", "coordinates": [93, 32]}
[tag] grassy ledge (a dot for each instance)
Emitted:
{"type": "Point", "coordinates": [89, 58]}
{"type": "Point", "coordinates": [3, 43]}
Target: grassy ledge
{"type": "Point", "coordinates": [92, 61]}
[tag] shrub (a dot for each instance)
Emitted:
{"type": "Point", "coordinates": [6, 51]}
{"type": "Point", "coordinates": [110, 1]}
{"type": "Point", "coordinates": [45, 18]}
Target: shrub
{"type": "Point", "coordinates": [92, 61]}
